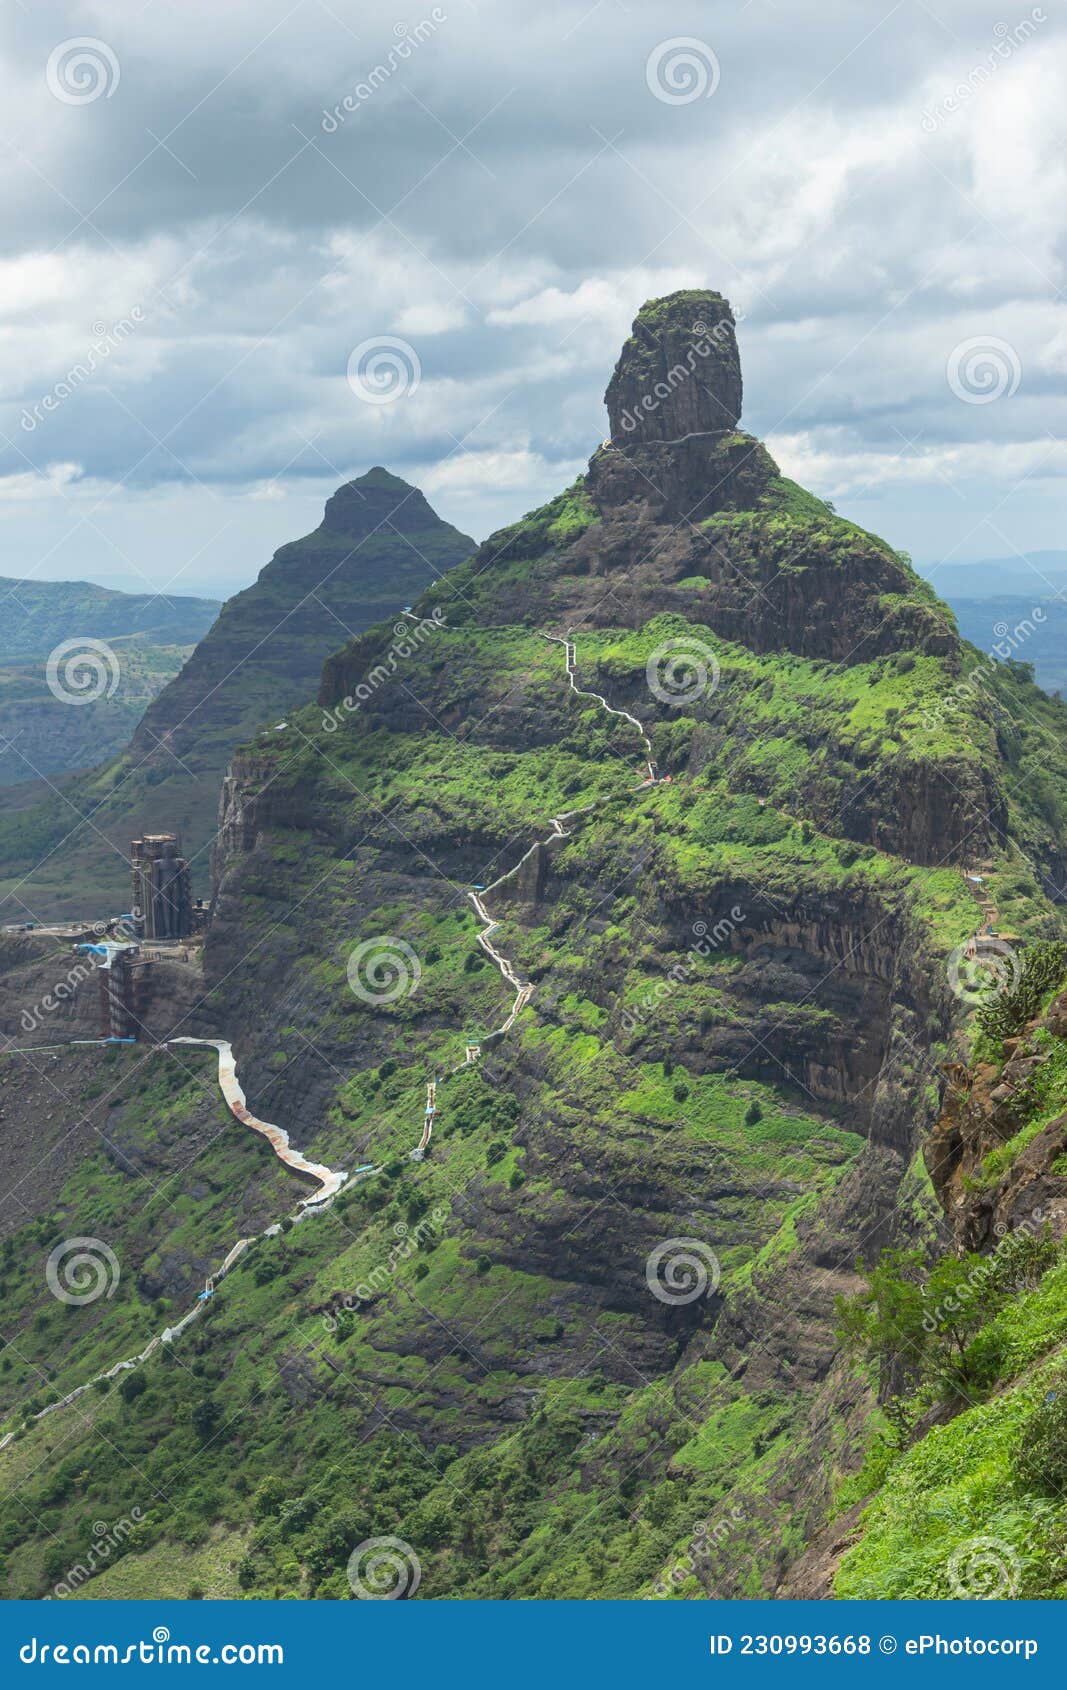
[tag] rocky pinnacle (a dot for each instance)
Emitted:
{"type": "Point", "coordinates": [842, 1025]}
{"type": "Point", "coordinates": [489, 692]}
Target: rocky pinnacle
{"type": "Point", "coordinates": [679, 373]}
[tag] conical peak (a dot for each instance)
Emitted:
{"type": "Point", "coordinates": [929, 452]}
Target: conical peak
{"type": "Point", "coordinates": [375, 499]}
{"type": "Point", "coordinates": [679, 373]}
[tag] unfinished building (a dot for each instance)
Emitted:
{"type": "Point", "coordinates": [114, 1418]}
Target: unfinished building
{"type": "Point", "coordinates": [162, 888]}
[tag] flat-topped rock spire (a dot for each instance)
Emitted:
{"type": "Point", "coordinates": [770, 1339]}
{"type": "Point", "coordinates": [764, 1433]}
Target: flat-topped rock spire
{"type": "Point", "coordinates": [679, 373]}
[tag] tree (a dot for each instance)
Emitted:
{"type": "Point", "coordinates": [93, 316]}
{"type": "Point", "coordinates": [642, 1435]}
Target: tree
{"type": "Point", "coordinates": [131, 1385]}
{"type": "Point", "coordinates": [206, 1418]}
{"type": "Point", "coordinates": [268, 1498]}
{"type": "Point", "coordinates": [941, 1332]}
{"type": "Point", "coordinates": [1008, 1012]}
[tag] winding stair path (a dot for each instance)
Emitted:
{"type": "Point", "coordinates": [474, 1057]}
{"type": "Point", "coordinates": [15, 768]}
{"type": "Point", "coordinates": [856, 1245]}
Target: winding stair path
{"type": "Point", "coordinates": [330, 1180]}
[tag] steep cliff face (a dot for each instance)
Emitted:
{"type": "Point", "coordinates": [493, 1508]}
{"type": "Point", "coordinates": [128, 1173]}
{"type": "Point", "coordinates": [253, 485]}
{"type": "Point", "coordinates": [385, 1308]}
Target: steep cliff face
{"type": "Point", "coordinates": [998, 1153]}
{"type": "Point", "coordinates": [827, 770]}
{"type": "Point", "coordinates": [962, 1490]}
{"type": "Point", "coordinates": [726, 742]}
{"type": "Point", "coordinates": [679, 373]}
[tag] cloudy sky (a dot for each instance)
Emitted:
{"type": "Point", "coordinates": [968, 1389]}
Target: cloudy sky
{"type": "Point", "coordinates": [217, 211]}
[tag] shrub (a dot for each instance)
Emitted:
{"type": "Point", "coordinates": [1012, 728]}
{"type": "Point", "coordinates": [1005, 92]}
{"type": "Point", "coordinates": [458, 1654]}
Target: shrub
{"type": "Point", "coordinates": [132, 1385]}
{"type": "Point", "coordinates": [1041, 1458]}
{"type": "Point", "coordinates": [1042, 969]}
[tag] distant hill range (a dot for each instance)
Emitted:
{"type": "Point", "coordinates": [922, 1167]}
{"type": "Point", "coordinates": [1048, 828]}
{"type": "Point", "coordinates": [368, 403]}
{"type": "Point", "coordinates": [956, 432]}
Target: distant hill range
{"type": "Point", "coordinates": [995, 600]}
{"type": "Point", "coordinates": [1032, 575]}
{"type": "Point", "coordinates": [379, 546]}
{"type": "Point", "coordinates": [111, 654]}
{"type": "Point", "coordinates": [1025, 630]}
{"type": "Point", "coordinates": [37, 615]}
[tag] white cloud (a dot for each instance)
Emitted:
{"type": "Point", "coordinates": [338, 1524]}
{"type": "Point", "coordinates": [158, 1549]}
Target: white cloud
{"type": "Point", "coordinates": [506, 204]}
{"type": "Point", "coordinates": [29, 485]}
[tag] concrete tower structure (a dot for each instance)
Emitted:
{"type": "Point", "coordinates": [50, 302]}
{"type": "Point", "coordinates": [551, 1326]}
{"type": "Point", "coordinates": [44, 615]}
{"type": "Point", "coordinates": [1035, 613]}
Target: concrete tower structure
{"type": "Point", "coordinates": [162, 889]}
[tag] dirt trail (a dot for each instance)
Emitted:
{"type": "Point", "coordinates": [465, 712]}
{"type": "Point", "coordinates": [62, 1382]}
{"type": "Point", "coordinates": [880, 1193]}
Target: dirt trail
{"type": "Point", "coordinates": [567, 642]}
{"type": "Point", "coordinates": [330, 1180]}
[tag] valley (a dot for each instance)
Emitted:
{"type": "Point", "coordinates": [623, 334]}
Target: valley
{"type": "Point", "coordinates": [601, 951]}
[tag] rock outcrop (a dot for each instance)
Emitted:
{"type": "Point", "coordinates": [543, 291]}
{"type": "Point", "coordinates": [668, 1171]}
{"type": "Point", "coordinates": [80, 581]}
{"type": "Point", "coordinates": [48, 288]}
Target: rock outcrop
{"type": "Point", "coordinates": [679, 373]}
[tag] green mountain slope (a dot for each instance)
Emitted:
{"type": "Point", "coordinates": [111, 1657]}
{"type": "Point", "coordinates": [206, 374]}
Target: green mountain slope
{"type": "Point", "coordinates": [39, 614]}
{"type": "Point", "coordinates": [113, 653]}
{"type": "Point", "coordinates": [378, 546]}
{"type": "Point", "coordinates": [42, 736]}
{"type": "Point", "coordinates": [667, 801]}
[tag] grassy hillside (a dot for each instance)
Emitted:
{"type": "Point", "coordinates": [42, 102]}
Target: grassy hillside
{"type": "Point", "coordinates": [586, 1345]}
{"type": "Point", "coordinates": [42, 736]}
{"type": "Point", "coordinates": [378, 546]}
{"type": "Point", "coordinates": [111, 654]}
{"type": "Point", "coordinates": [39, 614]}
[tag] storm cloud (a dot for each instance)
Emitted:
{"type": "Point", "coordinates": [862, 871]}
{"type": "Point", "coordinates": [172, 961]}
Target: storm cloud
{"type": "Point", "coordinates": [211, 206]}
